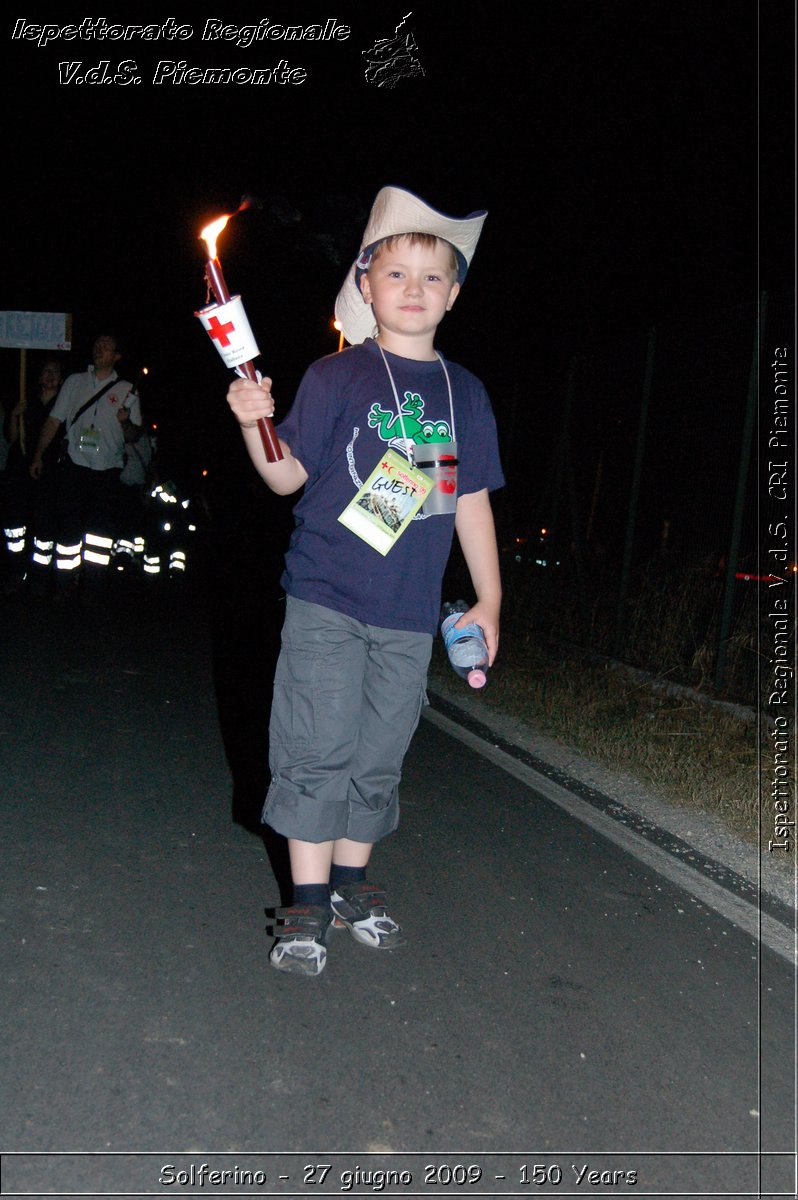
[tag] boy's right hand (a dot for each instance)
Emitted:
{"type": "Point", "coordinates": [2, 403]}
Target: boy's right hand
{"type": "Point", "coordinates": [250, 401]}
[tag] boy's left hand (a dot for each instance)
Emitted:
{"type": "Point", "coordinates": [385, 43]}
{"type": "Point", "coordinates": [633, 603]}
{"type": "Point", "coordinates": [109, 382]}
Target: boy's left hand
{"type": "Point", "coordinates": [488, 620]}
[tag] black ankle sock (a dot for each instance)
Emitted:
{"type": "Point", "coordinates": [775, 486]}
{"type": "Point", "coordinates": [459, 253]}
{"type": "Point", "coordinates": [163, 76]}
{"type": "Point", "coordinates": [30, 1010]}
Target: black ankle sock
{"type": "Point", "coordinates": [312, 893]}
{"type": "Point", "coordinates": [339, 876]}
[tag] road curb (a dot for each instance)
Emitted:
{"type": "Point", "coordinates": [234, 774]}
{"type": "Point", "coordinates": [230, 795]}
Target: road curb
{"type": "Point", "coordinates": [769, 914]}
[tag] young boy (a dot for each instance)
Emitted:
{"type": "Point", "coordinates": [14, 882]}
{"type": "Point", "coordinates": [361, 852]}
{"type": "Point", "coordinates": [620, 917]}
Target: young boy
{"type": "Point", "coordinates": [357, 638]}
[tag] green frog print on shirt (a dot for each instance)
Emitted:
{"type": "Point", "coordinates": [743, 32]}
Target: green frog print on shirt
{"type": "Point", "coordinates": [412, 426]}
{"type": "Point", "coordinates": [417, 431]}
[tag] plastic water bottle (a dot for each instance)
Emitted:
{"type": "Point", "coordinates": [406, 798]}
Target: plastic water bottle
{"type": "Point", "coordinates": [466, 647]}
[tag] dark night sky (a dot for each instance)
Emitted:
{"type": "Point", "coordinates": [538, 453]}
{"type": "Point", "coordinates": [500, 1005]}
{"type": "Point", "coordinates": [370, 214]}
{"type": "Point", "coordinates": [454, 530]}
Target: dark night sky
{"type": "Point", "coordinates": [614, 144]}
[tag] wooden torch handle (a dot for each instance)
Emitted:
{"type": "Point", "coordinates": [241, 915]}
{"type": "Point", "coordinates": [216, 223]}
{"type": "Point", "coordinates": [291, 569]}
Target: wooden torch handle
{"type": "Point", "coordinates": [216, 279]}
{"type": "Point", "coordinates": [265, 426]}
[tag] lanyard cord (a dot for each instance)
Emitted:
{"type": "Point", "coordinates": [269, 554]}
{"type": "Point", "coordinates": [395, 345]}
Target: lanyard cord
{"type": "Point", "coordinates": [105, 388]}
{"type": "Point", "coordinates": [408, 443]}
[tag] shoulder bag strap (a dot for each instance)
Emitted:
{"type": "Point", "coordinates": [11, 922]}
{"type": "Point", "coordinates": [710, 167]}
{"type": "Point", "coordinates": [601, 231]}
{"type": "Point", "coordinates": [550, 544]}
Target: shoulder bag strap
{"type": "Point", "coordinates": [91, 401]}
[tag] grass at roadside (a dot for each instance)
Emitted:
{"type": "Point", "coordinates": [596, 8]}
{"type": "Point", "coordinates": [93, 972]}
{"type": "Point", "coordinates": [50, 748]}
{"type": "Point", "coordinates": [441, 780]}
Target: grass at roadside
{"type": "Point", "coordinates": [693, 754]}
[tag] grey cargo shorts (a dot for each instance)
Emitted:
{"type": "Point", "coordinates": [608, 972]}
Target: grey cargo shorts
{"type": "Point", "coordinates": [347, 701]}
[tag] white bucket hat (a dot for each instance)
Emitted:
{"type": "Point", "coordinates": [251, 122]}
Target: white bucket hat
{"type": "Point", "coordinates": [394, 212]}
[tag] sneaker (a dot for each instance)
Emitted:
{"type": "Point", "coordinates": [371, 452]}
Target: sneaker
{"type": "Point", "coordinates": [360, 907]}
{"type": "Point", "coordinates": [301, 932]}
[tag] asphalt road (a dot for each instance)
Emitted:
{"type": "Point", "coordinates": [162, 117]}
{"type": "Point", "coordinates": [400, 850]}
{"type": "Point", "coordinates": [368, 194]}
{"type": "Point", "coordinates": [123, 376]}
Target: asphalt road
{"type": "Point", "coordinates": [559, 1004]}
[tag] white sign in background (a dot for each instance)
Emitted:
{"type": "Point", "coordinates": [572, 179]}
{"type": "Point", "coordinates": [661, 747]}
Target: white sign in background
{"type": "Point", "coordinates": [36, 331]}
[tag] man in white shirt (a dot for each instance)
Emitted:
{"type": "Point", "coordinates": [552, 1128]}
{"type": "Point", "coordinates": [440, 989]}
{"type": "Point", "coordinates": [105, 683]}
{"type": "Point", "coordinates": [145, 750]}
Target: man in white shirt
{"type": "Point", "coordinates": [101, 412]}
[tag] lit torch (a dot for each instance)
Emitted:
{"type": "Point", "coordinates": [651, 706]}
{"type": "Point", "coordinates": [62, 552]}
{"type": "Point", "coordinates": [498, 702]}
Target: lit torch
{"type": "Point", "coordinates": [227, 326]}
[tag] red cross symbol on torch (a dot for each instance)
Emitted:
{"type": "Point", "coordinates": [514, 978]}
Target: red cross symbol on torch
{"type": "Point", "coordinates": [219, 332]}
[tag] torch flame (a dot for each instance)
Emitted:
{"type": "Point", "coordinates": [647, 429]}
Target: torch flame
{"type": "Point", "coordinates": [211, 232]}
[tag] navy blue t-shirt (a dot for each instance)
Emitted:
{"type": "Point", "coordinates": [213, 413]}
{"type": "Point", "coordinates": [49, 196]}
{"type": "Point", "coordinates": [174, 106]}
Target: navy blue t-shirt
{"type": "Point", "coordinates": [342, 422]}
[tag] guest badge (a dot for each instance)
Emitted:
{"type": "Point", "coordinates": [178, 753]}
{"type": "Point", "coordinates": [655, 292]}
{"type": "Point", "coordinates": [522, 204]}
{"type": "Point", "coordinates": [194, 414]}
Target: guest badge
{"type": "Point", "coordinates": [385, 505]}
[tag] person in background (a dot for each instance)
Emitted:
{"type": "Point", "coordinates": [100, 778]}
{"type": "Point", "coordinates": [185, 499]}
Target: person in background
{"type": "Point", "coordinates": [96, 408]}
{"type": "Point", "coordinates": [135, 481]}
{"type": "Point", "coordinates": [28, 511]}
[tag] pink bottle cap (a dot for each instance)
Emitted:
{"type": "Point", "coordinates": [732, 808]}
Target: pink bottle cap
{"type": "Point", "coordinates": [477, 678]}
